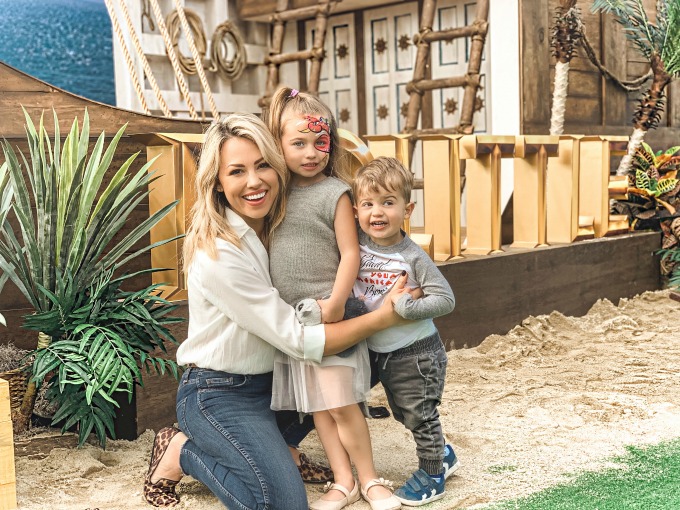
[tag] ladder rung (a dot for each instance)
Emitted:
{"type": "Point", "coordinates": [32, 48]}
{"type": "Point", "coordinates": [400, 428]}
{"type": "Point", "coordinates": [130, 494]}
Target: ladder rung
{"type": "Point", "coordinates": [289, 57]}
{"type": "Point", "coordinates": [455, 33]}
{"type": "Point", "coordinates": [301, 13]}
{"type": "Point", "coordinates": [443, 83]}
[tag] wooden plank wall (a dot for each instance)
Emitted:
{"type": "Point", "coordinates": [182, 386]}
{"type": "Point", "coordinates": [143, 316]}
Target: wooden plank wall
{"type": "Point", "coordinates": [595, 105]}
{"type": "Point", "coordinates": [18, 89]}
{"type": "Point", "coordinates": [495, 294]}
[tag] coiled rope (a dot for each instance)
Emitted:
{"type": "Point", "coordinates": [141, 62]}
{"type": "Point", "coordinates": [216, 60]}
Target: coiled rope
{"type": "Point", "coordinates": [169, 49]}
{"type": "Point", "coordinates": [197, 57]}
{"type": "Point", "coordinates": [174, 23]}
{"type": "Point", "coordinates": [219, 51]}
{"type": "Point", "coordinates": [145, 63]}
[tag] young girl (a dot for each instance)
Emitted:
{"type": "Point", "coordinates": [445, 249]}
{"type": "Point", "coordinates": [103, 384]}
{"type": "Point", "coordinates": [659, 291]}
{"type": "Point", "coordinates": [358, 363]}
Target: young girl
{"type": "Point", "coordinates": [315, 254]}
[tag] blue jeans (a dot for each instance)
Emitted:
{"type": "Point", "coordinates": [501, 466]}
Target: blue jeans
{"type": "Point", "coordinates": [235, 447]}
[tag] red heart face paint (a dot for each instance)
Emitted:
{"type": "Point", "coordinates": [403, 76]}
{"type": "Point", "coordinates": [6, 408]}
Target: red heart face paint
{"type": "Point", "coordinates": [306, 144]}
{"type": "Point", "coordinates": [320, 126]}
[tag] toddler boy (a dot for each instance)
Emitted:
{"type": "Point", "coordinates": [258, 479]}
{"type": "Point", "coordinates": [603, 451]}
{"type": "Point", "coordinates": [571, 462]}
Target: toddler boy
{"type": "Point", "coordinates": [411, 358]}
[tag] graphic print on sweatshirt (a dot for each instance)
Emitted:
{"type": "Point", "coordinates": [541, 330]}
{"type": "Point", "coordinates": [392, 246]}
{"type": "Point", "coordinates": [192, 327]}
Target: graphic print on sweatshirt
{"type": "Point", "coordinates": [378, 272]}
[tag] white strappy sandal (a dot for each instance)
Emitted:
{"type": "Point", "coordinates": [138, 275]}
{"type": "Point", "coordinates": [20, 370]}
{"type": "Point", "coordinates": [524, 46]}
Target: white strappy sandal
{"type": "Point", "coordinates": [390, 503]}
{"type": "Point", "coordinates": [350, 497]}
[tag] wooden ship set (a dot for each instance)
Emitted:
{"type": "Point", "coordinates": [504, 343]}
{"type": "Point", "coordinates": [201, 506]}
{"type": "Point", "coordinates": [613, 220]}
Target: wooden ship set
{"type": "Point", "coordinates": [458, 90]}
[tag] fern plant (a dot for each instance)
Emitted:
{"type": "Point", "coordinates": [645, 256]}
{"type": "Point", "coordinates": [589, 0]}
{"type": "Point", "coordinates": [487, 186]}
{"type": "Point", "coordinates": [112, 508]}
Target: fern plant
{"type": "Point", "coordinates": [103, 337]}
{"type": "Point", "coordinates": [67, 219]}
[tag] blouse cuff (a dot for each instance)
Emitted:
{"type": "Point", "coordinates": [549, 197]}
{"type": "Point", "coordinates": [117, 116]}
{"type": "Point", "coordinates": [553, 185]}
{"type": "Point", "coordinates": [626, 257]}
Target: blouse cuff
{"type": "Point", "coordinates": [315, 341]}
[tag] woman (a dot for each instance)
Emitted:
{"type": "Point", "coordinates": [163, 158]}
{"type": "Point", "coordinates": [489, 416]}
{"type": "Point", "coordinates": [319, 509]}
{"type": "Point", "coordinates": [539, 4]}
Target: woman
{"type": "Point", "coordinates": [229, 439]}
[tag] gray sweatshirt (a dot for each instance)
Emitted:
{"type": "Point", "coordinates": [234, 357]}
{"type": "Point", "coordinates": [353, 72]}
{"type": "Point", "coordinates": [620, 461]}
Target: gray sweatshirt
{"type": "Point", "coordinates": [379, 270]}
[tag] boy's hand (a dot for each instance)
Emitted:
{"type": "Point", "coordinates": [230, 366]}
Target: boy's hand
{"type": "Point", "coordinates": [331, 311]}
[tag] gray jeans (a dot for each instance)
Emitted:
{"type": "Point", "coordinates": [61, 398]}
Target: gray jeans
{"type": "Point", "coordinates": [413, 378]}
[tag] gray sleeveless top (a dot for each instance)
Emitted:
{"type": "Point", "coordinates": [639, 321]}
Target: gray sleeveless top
{"type": "Point", "coordinates": [304, 255]}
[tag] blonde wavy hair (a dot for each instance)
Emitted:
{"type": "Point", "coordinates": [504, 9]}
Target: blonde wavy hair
{"type": "Point", "coordinates": [208, 215]}
{"type": "Point", "coordinates": [302, 103]}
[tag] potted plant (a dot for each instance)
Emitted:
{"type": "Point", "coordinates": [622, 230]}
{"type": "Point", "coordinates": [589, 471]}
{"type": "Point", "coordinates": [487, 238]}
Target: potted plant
{"type": "Point", "coordinates": [65, 243]}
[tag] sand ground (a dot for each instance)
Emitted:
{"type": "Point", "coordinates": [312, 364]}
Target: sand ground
{"type": "Point", "coordinates": [555, 395]}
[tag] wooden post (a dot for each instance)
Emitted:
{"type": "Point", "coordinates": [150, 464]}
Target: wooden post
{"type": "Point", "coordinates": [393, 146]}
{"type": "Point", "coordinates": [483, 183]}
{"type": "Point", "coordinates": [441, 175]}
{"type": "Point", "coordinates": [8, 491]}
{"type": "Point", "coordinates": [318, 44]}
{"type": "Point", "coordinates": [467, 109]}
{"type": "Point", "coordinates": [594, 161]}
{"type": "Point", "coordinates": [529, 206]}
{"type": "Point", "coordinates": [562, 193]}
{"type": "Point", "coordinates": [420, 68]}
{"type": "Point", "coordinates": [176, 168]}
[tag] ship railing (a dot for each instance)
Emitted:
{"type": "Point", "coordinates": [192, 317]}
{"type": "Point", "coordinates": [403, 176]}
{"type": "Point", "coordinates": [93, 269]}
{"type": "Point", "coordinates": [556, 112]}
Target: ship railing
{"type": "Point", "coordinates": [562, 191]}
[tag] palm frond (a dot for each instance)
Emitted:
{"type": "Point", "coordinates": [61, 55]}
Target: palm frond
{"type": "Point", "coordinates": [670, 51]}
{"type": "Point", "coordinates": [637, 27]}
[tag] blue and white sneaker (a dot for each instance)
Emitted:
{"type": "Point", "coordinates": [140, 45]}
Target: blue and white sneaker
{"type": "Point", "coordinates": [451, 463]}
{"type": "Point", "coordinates": [420, 489]}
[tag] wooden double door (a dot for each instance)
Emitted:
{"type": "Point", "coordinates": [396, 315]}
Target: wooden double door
{"type": "Point", "coordinates": [370, 58]}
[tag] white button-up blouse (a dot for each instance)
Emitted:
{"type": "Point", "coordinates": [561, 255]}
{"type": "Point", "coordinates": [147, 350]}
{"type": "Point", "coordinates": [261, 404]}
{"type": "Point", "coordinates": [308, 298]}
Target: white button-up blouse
{"type": "Point", "coordinates": [236, 318]}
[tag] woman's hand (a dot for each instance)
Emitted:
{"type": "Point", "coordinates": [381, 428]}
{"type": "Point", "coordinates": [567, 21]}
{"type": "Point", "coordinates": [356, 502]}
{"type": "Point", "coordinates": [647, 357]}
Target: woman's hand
{"type": "Point", "coordinates": [395, 293]}
{"type": "Point", "coordinates": [396, 296]}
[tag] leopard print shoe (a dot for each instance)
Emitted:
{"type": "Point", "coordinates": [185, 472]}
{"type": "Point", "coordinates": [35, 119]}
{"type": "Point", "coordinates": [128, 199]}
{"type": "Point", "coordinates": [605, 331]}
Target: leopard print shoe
{"type": "Point", "coordinates": [311, 472]}
{"type": "Point", "coordinates": [162, 492]}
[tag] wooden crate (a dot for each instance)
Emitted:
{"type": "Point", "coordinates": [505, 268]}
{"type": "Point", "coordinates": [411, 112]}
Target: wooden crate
{"type": "Point", "coordinates": [8, 493]}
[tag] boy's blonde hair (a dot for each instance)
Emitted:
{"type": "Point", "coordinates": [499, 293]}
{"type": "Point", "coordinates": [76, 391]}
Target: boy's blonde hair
{"type": "Point", "coordinates": [208, 214]}
{"type": "Point", "coordinates": [386, 173]}
{"type": "Point", "coordinates": [286, 99]}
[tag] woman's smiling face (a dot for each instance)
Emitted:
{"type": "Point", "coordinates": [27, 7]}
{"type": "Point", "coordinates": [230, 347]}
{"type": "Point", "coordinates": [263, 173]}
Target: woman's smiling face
{"type": "Point", "coordinates": [248, 182]}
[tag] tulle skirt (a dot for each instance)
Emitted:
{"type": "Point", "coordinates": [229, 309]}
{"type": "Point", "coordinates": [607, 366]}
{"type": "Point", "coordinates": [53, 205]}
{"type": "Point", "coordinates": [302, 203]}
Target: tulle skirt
{"type": "Point", "coordinates": [309, 387]}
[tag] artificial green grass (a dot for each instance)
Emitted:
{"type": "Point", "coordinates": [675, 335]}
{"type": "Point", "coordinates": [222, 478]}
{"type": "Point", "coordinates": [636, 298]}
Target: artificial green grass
{"type": "Point", "coordinates": [648, 479]}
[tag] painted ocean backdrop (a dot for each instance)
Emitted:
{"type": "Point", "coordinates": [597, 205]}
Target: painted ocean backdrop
{"type": "Point", "coordinates": [66, 43]}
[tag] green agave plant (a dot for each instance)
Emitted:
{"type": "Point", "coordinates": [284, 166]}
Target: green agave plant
{"type": "Point", "coordinates": [67, 220]}
{"type": "Point", "coordinates": [5, 197]}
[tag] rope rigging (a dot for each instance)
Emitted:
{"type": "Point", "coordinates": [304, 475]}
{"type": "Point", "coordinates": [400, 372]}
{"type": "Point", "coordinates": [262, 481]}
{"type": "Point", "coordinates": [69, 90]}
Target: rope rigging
{"type": "Point", "coordinates": [145, 63]}
{"type": "Point", "coordinates": [169, 49]}
{"type": "Point", "coordinates": [197, 57]}
{"type": "Point", "coordinates": [627, 85]}
{"type": "Point", "coordinates": [126, 55]}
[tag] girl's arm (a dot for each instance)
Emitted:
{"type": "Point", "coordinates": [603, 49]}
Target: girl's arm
{"type": "Point", "coordinates": [333, 308]}
{"type": "Point", "coordinates": [344, 334]}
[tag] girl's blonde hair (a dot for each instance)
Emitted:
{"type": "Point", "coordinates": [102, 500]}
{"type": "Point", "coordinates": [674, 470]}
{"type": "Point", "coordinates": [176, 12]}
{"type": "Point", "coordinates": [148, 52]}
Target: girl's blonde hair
{"type": "Point", "coordinates": [208, 214]}
{"type": "Point", "coordinates": [286, 100]}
